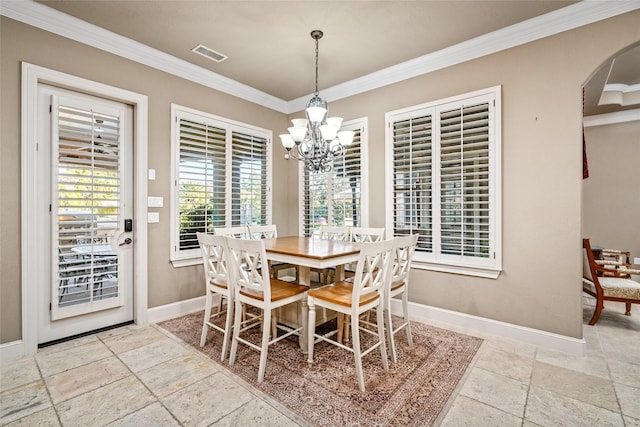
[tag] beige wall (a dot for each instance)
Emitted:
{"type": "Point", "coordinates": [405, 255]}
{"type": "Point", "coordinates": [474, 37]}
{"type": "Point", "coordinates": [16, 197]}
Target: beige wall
{"type": "Point", "coordinates": [611, 194]}
{"type": "Point", "coordinates": [541, 125]}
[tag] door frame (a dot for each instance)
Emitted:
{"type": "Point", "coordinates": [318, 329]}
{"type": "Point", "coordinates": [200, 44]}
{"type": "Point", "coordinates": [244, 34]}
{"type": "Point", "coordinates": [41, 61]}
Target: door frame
{"type": "Point", "coordinates": [32, 76]}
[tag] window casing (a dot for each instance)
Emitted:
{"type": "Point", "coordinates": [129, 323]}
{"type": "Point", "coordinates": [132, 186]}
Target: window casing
{"type": "Point", "coordinates": [221, 177]}
{"type": "Point", "coordinates": [340, 196]}
{"type": "Point", "coordinates": [443, 166]}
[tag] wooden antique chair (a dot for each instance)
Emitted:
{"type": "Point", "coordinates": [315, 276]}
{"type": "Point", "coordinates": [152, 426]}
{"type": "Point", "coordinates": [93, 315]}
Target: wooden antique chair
{"type": "Point", "coordinates": [606, 284]}
{"type": "Point", "coordinates": [353, 300]}
{"type": "Point", "coordinates": [254, 287]}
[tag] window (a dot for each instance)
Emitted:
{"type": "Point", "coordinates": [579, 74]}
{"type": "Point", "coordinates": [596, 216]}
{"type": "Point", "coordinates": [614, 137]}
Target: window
{"type": "Point", "coordinates": [338, 197]}
{"type": "Point", "coordinates": [222, 173]}
{"type": "Point", "coordinates": [443, 164]}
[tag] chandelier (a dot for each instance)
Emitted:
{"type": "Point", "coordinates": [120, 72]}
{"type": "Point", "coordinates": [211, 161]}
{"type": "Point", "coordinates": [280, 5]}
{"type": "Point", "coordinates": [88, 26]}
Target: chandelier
{"type": "Point", "coordinates": [316, 140]}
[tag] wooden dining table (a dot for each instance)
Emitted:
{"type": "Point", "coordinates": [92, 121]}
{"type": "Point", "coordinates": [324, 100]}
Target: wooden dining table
{"type": "Point", "coordinates": [307, 253]}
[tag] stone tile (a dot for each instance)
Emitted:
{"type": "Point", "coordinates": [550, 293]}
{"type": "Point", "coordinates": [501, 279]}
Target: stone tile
{"type": "Point", "coordinates": [511, 365]}
{"type": "Point", "coordinates": [625, 373]}
{"type": "Point", "coordinates": [22, 401]}
{"type": "Point", "coordinates": [496, 390]}
{"type": "Point", "coordinates": [44, 418]}
{"type": "Point", "coordinates": [526, 423]}
{"type": "Point", "coordinates": [74, 382]}
{"type": "Point", "coordinates": [144, 357]}
{"type": "Point", "coordinates": [255, 413]}
{"type": "Point", "coordinates": [466, 412]}
{"type": "Point", "coordinates": [176, 374]}
{"type": "Point", "coordinates": [51, 363]}
{"type": "Point", "coordinates": [576, 385]}
{"type": "Point", "coordinates": [197, 405]}
{"type": "Point", "coordinates": [105, 404]}
{"type": "Point", "coordinates": [591, 364]}
{"type": "Point", "coordinates": [66, 345]}
{"type": "Point", "coordinates": [133, 338]}
{"type": "Point", "coordinates": [152, 415]}
{"type": "Point", "coordinates": [629, 398]}
{"type": "Point", "coordinates": [18, 372]}
{"type": "Point", "coordinates": [547, 408]}
{"type": "Point", "coordinates": [631, 422]}
{"type": "Point", "coordinates": [118, 331]}
{"type": "Point", "coordinates": [512, 346]}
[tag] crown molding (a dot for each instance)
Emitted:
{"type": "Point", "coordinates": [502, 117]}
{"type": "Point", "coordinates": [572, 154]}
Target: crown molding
{"type": "Point", "coordinates": [576, 15]}
{"type": "Point", "coordinates": [567, 18]}
{"type": "Point", "coordinates": [48, 19]}
{"type": "Point", "coordinates": [611, 118]}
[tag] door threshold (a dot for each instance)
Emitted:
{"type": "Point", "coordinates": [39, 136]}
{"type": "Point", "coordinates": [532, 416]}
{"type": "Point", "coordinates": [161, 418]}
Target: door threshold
{"type": "Point", "coordinates": [84, 334]}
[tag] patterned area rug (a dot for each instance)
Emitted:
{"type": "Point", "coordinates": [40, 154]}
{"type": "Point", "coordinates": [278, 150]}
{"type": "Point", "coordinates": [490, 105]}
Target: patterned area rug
{"type": "Point", "coordinates": [412, 392]}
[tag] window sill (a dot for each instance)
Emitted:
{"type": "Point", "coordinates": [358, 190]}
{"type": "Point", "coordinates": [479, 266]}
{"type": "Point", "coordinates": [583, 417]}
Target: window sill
{"type": "Point", "coordinates": [186, 262]}
{"type": "Point", "coordinates": [485, 272]}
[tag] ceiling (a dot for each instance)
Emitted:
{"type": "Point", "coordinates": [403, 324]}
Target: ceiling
{"type": "Point", "coordinates": [269, 47]}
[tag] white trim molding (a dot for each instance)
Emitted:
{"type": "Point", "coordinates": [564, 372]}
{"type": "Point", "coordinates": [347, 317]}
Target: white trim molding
{"type": "Point", "coordinates": [180, 308]}
{"type": "Point", "coordinates": [427, 314]}
{"type": "Point", "coordinates": [32, 75]}
{"type": "Point", "coordinates": [564, 19]}
{"type": "Point", "coordinates": [612, 118]}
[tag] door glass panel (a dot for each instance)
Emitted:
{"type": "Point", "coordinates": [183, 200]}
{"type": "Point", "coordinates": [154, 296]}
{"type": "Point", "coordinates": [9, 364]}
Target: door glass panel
{"type": "Point", "coordinates": [87, 208]}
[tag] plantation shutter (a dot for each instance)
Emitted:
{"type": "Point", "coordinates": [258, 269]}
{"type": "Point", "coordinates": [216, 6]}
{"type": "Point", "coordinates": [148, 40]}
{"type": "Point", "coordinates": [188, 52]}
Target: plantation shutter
{"type": "Point", "coordinates": [335, 197]}
{"type": "Point", "coordinates": [249, 179]}
{"type": "Point", "coordinates": [464, 180]}
{"type": "Point", "coordinates": [412, 208]}
{"type": "Point", "coordinates": [201, 180]}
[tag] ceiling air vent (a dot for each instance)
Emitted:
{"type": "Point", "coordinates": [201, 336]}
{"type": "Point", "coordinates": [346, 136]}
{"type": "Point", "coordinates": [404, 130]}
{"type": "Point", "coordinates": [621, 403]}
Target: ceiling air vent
{"type": "Point", "coordinates": [209, 53]}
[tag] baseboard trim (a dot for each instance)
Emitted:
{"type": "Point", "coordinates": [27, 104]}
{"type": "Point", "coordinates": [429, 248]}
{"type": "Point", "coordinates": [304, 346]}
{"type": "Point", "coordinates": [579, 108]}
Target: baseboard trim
{"type": "Point", "coordinates": [169, 311]}
{"type": "Point", "coordinates": [427, 314]}
{"type": "Point", "coordinates": [12, 351]}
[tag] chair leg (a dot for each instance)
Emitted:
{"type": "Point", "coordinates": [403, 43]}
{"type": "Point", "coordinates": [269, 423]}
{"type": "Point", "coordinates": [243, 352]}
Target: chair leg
{"type": "Point", "coordinates": [383, 347]}
{"type": "Point", "coordinates": [227, 328]}
{"type": "Point", "coordinates": [207, 315]}
{"type": "Point", "coordinates": [237, 317]}
{"type": "Point", "coordinates": [265, 345]}
{"type": "Point", "coordinates": [311, 329]}
{"type": "Point", "coordinates": [340, 320]}
{"type": "Point", "coordinates": [389, 327]}
{"type": "Point", "coordinates": [355, 331]}
{"type": "Point", "coordinates": [405, 312]}
{"type": "Point", "coordinates": [596, 313]}
{"type": "Point", "coordinates": [628, 312]}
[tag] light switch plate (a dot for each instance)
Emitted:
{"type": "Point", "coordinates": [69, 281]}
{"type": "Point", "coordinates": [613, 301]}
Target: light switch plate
{"type": "Point", "coordinates": [155, 202]}
{"type": "Point", "coordinates": [152, 174]}
{"type": "Point", "coordinates": [153, 217]}
{"type": "Point", "coordinates": [636, 261]}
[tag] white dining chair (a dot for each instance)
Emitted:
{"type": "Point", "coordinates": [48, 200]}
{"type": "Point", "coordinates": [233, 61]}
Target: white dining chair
{"type": "Point", "coordinates": [270, 231]}
{"type": "Point", "coordinates": [239, 232]}
{"type": "Point", "coordinates": [254, 287]}
{"type": "Point", "coordinates": [331, 232]}
{"type": "Point", "coordinates": [217, 284]}
{"type": "Point", "coordinates": [353, 300]}
{"type": "Point", "coordinates": [367, 234]}
{"type": "Point", "coordinates": [398, 284]}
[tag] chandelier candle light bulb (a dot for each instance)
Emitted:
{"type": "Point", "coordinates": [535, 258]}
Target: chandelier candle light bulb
{"type": "Point", "coordinates": [316, 140]}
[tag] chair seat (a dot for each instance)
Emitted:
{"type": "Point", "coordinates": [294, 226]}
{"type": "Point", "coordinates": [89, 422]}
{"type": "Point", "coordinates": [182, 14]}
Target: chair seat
{"type": "Point", "coordinates": [620, 288]}
{"type": "Point", "coordinates": [279, 290]}
{"type": "Point", "coordinates": [397, 284]}
{"type": "Point", "coordinates": [219, 283]}
{"type": "Point", "coordinates": [340, 293]}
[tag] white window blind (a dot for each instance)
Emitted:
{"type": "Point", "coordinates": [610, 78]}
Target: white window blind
{"type": "Point", "coordinates": [336, 197]}
{"type": "Point", "coordinates": [222, 177]}
{"type": "Point", "coordinates": [444, 160]}
{"type": "Point", "coordinates": [249, 179]}
{"type": "Point", "coordinates": [201, 180]}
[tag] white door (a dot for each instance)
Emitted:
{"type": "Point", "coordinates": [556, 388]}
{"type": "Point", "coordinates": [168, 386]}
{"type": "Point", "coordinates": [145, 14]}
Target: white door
{"type": "Point", "coordinates": [85, 174]}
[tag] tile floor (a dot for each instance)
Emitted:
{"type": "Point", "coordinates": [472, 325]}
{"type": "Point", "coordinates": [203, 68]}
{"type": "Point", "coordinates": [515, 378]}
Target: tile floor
{"type": "Point", "coordinates": [141, 376]}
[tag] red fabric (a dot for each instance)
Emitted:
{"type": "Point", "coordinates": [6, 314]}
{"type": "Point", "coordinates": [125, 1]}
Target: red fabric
{"type": "Point", "coordinates": [585, 165]}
